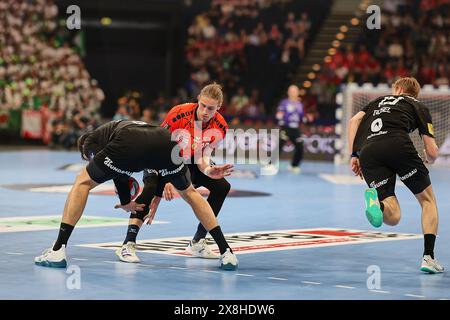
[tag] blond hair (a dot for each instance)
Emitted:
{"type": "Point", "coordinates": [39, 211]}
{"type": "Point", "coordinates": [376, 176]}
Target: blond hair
{"type": "Point", "coordinates": [213, 91]}
{"type": "Point", "coordinates": [409, 85]}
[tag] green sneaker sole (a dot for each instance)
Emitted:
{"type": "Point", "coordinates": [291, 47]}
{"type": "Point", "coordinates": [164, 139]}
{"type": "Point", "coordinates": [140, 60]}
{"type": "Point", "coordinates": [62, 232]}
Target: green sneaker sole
{"type": "Point", "coordinates": [427, 270]}
{"type": "Point", "coordinates": [49, 264]}
{"type": "Point", "coordinates": [430, 271]}
{"type": "Point", "coordinates": [373, 212]}
{"type": "Point", "coordinates": [228, 267]}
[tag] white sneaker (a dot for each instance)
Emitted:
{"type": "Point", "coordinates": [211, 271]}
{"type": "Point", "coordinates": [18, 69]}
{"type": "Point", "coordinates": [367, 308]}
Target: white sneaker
{"type": "Point", "coordinates": [52, 259]}
{"type": "Point", "coordinates": [431, 265]}
{"type": "Point", "coordinates": [295, 170]}
{"type": "Point", "coordinates": [127, 253]}
{"type": "Point", "coordinates": [228, 261]}
{"type": "Point", "coordinates": [269, 170]}
{"type": "Point", "coordinates": [201, 249]}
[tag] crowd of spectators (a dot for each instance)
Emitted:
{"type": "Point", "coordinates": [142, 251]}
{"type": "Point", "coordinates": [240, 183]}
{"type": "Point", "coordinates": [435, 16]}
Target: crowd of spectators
{"type": "Point", "coordinates": [414, 40]}
{"type": "Point", "coordinates": [39, 69]}
{"type": "Point", "coordinates": [251, 47]}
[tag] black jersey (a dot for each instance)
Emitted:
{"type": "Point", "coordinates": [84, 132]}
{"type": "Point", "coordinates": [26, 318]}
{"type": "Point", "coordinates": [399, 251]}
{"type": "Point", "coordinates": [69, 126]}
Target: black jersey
{"type": "Point", "coordinates": [390, 116]}
{"type": "Point", "coordinates": [132, 146]}
{"type": "Point", "coordinates": [100, 137]}
{"type": "Point", "coordinates": [137, 145]}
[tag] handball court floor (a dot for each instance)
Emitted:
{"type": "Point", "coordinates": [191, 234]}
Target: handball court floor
{"type": "Point", "coordinates": [297, 237]}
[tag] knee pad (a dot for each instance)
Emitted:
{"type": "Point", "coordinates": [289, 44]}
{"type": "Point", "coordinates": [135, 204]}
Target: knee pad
{"type": "Point", "coordinates": [140, 214]}
{"type": "Point", "coordinates": [149, 190]}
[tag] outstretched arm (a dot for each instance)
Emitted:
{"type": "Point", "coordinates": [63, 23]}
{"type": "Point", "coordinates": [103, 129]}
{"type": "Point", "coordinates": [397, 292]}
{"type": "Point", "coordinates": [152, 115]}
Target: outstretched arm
{"type": "Point", "coordinates": [431, 149]}
{"type": "Point", "coordinates": [353, 126]}
{"type": "Point", "coordinates": [123, 189]}
{"type": "Point", "coordinates": [213, 171]}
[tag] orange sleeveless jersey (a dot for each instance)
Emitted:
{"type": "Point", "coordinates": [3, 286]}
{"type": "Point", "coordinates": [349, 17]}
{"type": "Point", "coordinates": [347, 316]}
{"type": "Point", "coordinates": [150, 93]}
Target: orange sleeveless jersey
{"type": "Point", "coordinates": [180, 121]}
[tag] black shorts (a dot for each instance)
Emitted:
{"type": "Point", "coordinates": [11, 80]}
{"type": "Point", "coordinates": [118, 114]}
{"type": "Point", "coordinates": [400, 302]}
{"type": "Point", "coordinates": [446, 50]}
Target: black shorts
{"type": "Point", "coordinates": [110, 163]}
{"type": "Point", "coordinates": [194, 176]}
{"type": "Point", "coordinates": [382, 161]}
{"type": "Point", "coordinates": [199, 179]}
{"type": "Point", "coordinates": [102, 173]}
{"type": "Point", "coordinates": [124, 153]}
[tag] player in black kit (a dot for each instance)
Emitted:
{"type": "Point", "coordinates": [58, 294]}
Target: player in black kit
{"type": "Point", "coordinates": [379, 138]}
{"type": "Point", "coordinates": [89, 144]}
{"type": "Point", "coordinates": [125, 147]}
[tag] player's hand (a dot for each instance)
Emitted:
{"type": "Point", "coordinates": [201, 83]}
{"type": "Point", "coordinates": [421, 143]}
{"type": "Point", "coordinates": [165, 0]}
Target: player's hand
{"type": "Point", "coordinates": [355, 166]}
{"type": "Point", "coordinates": [425, 158]}
{"type": "Point", "coordinates": [153, 208]}
{"type": "Point", "coordinates": [218, 172]}
{"type": "Point", "coordinates": [130, 207]}
{"type": "Point", "coordinates": [169, 192]}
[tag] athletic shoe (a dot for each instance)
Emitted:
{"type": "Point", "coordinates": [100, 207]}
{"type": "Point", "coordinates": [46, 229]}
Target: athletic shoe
{"type": "Point", "coordinates": [201, 249]}
{"type": "Point", "coordinates": [127, 253]}
{"type": "Point", "coordinates": [295, 170]}
{"type": "Point", "coordinates": [269, 170]}
{"type": "Point", "coordinates": [430, 265]}
{"type": "Point", "coordinates": [52, 259]}
{"type": "Point", "coordinates": [373, 211]}
{"type": "Point", "coordinates": [228, 261]}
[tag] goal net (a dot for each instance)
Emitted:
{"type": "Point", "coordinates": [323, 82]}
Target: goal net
{"type": "Point", "coordinates": [353, 98]}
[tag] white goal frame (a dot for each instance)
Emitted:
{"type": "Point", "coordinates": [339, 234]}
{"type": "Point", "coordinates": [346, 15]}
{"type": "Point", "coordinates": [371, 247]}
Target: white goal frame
{"type": "Point", "coordinates": [349, 106]}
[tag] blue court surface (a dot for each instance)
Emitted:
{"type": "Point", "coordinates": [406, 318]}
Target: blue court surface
{"type": "Point", "coordinates": [296, 236]}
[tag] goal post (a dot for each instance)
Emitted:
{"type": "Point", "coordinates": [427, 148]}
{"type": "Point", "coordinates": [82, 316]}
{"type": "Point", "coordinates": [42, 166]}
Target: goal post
{"type": "Point", "coordinates": [353, 98]}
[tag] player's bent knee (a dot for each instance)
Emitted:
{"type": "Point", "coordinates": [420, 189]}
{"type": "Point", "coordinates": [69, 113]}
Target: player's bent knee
{"type": "Point", "coordinates": [140, 214]}
{"type": "Point", "coordinates": [222, 188]}
{"type": "Point", "coordinates": [84, 179]}
{"type": "Point", "coordinates": [392, 220]}
{"type": "Point", "coordinates": [226, 187]}
{"type": "Point", "coordinates": [188, 193]}
{"type": "Point", "coordinates": [426, 196]}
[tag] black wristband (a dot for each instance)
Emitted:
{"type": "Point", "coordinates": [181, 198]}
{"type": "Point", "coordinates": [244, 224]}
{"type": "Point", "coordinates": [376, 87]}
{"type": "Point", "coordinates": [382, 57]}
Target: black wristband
{"type": "Point", "coordinates": [354, 154]}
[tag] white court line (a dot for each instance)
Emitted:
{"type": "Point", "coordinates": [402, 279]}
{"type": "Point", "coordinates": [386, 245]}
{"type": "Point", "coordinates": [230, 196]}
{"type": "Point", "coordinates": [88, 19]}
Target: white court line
{"type": "Point", "coordinates": [250, 275]}
{"type": "Point", "coordinates": [379, 291]}
{"type": "Point", "coordinates": [275, 278]}
{"type": "Point", "coordinates": [146, 265]}
{"type": "Point", "coordinates": [344, 287]}
{"type": "Point", "coordinates": [311, 282]}
{"type": "Point", "coordinates": [114, 262]}
{"type": "Point", "coordinates": [15, 253]}
{"type": "Point", "coordinates": [271, 278]}
{"type": "Point", "coordinates": [414, 295]}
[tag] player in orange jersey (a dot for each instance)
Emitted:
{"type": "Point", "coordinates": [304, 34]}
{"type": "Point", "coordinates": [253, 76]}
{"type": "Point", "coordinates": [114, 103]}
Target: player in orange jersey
{"type": "Point", "coordinates": [198, 128]}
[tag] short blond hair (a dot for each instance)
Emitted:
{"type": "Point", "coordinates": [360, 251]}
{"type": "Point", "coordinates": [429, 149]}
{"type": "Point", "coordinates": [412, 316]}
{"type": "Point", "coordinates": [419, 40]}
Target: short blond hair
{"type": "Point", "coordinates": [213, 91]}
{"type": "Point", "coordinates": [409, 85]}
